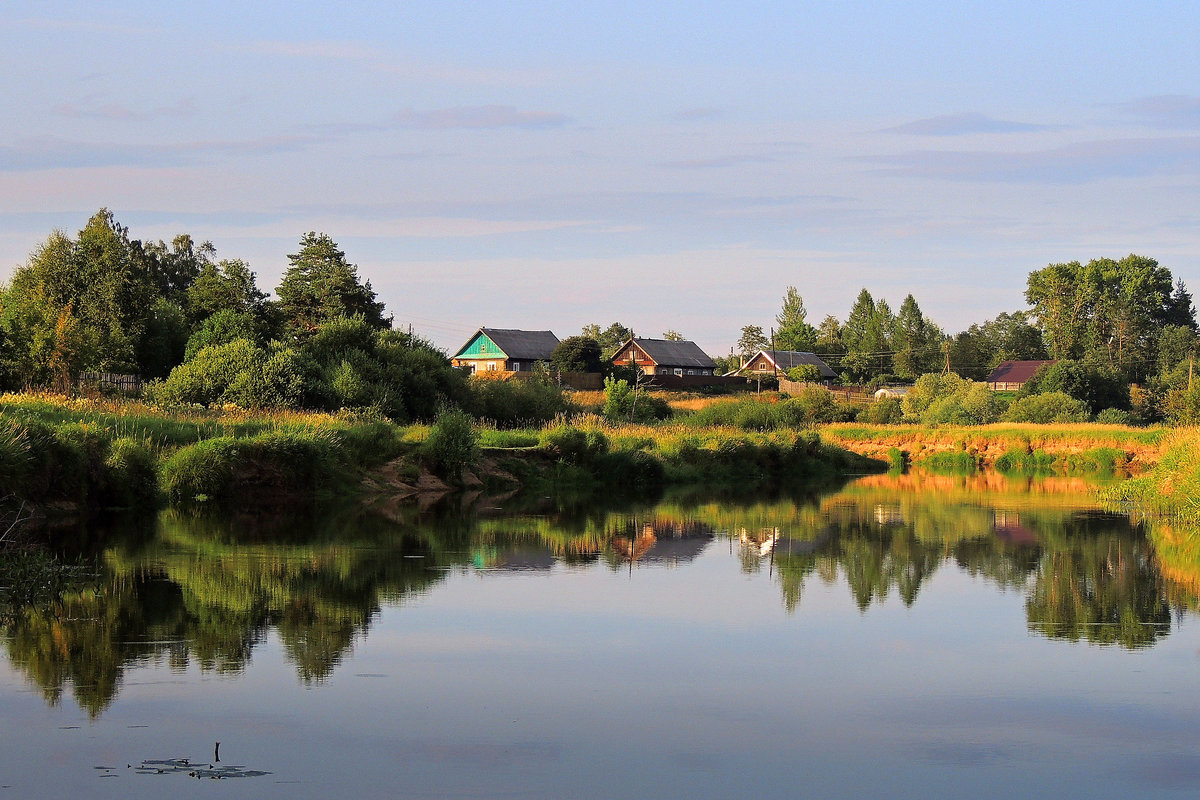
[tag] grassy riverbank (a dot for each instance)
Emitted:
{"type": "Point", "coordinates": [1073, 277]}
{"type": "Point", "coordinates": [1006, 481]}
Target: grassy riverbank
{"type": "Point", "coordinates": [78, 454]}
{"type": "Point", "coordinates": [1008, 446]}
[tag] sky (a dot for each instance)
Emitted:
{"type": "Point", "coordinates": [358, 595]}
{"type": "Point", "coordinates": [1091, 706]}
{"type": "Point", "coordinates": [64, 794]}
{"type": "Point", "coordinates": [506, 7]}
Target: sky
{"type": "Point", "coordinates": [671, 166]}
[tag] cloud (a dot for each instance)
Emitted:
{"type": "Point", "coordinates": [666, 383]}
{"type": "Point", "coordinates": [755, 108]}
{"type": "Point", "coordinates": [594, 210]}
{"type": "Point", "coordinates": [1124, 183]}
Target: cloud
{"type": "Point", "coordinates": [329, 50]}
{"type": "Point", "coordinates": [962, 125]}
{"type": "Point", "coordinates": [479, 118]}
{"type": "Point", "coordinates": [1165, 110]}
{"type": "Point", "coordinates": [1075, 163]}
{"type": "Point", "coordinates": [114, 111]}
{"type": "Point", "coordinates": [717, 162]}
{"type": "Point", "coordinates": [52, 153]}
{"type": "Point", "coordinates": [697, 114]}
{"type": "Point", "coordinates": [90, 108]}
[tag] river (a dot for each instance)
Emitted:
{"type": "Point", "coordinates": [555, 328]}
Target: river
{"type": "Point", "coordinates": [897, 636]}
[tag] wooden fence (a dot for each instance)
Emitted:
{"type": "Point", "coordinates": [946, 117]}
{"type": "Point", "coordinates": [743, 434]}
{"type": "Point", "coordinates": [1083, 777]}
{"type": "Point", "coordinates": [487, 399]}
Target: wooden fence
{"type": "Point", "coordinates": [856, 394]}
{"type": "Point", "coordinates": [111, 381]}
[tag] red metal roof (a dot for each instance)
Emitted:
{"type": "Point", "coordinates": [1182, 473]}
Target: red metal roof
{"type": "Point", "coordinates": [1016, 371]}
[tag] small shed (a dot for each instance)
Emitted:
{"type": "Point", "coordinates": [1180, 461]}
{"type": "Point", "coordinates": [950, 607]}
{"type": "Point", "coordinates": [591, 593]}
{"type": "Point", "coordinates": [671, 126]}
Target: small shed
{"type": "Point", "coordinates": [1010, 376]}
{"type": "Point", "coordinates": [505, 350]}
{"type": "Point", "coordinates": [665, 357]}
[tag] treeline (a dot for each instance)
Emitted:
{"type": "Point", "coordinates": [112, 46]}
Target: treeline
{"type": "Point", "coordinates": [1123, 334]}
{"type": "Point", "coordinates": [105, 302]}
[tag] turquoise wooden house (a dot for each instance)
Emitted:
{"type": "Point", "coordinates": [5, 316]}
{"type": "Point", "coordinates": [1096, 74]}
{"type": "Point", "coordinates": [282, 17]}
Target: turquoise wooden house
{"type": "Point", "coordinates": [505, 350]}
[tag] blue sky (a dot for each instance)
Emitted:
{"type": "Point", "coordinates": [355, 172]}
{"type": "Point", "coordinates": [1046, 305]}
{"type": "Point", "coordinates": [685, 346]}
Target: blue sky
{"type": "Point", "coordinates": [671, 166]}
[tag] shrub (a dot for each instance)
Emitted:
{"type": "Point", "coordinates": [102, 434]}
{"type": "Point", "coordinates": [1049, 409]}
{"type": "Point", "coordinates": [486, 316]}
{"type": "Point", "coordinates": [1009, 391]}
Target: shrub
{"type": "Point", "coordinates": [625, 402]}
{"type": "Point", "coordinates": [573, 445]}
{"type": "Point", "coordinates": [452, 445]}
{"type": "Point", "coordinates": [132, 472]}
{"type": "Point", "coordinates": [201, 471]}
{"type": "Point", "coordinates": [1096, 385]}
{"type": "Point", "coordinates": [206, 379]}
{"type": "Point", "coordinates": [1047, 408]}
{"type": "Point", "coordinates": [516, 403]}
{"type": "Point", "coordinates": [882, 412]}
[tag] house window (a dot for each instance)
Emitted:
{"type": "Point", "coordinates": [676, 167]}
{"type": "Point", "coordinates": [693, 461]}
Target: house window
{"type": "Point", "coordinates": [516, 366]}
{"type": "Point", "coordinates": [679, 370]}
{"type": "Point", "coordinates": [491, 366]}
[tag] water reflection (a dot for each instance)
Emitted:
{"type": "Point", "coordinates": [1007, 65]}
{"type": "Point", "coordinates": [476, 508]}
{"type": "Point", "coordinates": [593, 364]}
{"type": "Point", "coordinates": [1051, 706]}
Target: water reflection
{"type": "Point", "coordinates": [196, 591]}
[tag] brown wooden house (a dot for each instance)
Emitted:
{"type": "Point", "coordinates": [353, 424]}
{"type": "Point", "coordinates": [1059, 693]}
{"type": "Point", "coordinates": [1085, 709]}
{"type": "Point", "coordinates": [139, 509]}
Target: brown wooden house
{"type": "Point", "coordinates": [1010, 376]}
{"type": "Point", "coordinates": [665, 357]}
{"type": "Point", "coordinates": [777, 362]}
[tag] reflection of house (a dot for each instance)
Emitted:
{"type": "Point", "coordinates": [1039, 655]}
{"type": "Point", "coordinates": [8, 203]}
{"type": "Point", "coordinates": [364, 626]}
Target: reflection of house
{"type": "Point", "coordinates": [1008, 528]}
{"type": "Point", "coordinates": [1012, 375]}
{"type": "Point", "coordinates": [665, 357]}
{"type": "Point", "coordinates": [503, 350]}
{"type": "Point", "coordinates": [778, 362]}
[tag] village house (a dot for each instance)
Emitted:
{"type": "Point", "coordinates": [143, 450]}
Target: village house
{"type": "Point", "coordinates": [504, 350]}
{"type": "Point", "coordinates": [778, 362]}
{"type": "Point", "coordinates": [665, 357]}
{"type": "Point", "coordinates": [1012, 375]}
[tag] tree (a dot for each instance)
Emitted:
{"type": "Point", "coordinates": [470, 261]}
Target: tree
{"type": "Point", "coordinates": [1106, 310]}
{"type": "Point", "coordinates": [751, 341]}
{"type": "Point", "coordinates": [227, 285]}
{"type": "Point", "coordinates": [917, 342]}
{"type": "Point", "coordinates": [610, 338]}
{"type": "Point", "coordinates": [103, 280]}
{"type": "Point", "coordinates": [866, 337]}
{"type": "Point", "coordinates": [577, 354]}
{"type": "Point", "coordinates": [829, 336]}
{"type": "Point", "coordinates": [320, 285]}
{"type": "Point", "coordinates": [793, 331]}
{"type": "Point", "coordinates": [673, 336]}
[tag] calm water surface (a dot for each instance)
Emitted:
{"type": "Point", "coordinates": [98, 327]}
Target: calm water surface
{"type": "Point", "coordinates": [900, 636]}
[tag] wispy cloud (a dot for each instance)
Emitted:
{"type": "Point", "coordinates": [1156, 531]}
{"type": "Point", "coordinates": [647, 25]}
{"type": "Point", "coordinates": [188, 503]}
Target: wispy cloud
{"type": "Point", "coordinates": [1165, 110]}
{"type": "Point", "coordinates": [92, 107]}
{"type": "Point", "coordinates": [963, 125]}
{"type": "Point", "coordinates": [1075, 163]}
{"type": "Point", "coordinates": [90, 25]}
{"type": "Point", "coordinates": [697, 114]}
{"type": "Point", "coordinates": [479, 118]}
{"type": "Point", "coordinates": [335, 50]}
{"type": "Point", "coordinates": [53, 153]}
{"type": "Point", "coordinates": [84, 110]}
{"type": "Point", "coordinates": [717, 162]}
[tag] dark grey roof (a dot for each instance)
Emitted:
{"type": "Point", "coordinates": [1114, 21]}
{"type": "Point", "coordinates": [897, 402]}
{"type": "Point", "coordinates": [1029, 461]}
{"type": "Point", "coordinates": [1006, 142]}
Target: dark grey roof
{"type": "Point", "coordinates": [523, 345]}
{"type": "Point", "coordinates": [786, 359]}
{"type": "Point", "coordinates": [666, 353]}
{"type": "Point", "coordinates": [1015, 371]}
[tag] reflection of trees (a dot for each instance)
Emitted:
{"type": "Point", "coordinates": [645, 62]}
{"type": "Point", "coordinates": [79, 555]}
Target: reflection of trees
{"type": "Point", "coordinates": [203, 593]}
{"type": "Point", "coordinates": [207, 593]}
{"type": "Point", "coordinates": [1096, 582]}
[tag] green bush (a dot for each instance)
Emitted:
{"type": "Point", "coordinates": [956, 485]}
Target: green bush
{"type": "Point", "coordinates": [626, 403]}
{"type": "Point", "coordinates": [572, 445]}
{"type": "Point", "coordinates": [452, 445]}
{"type": "Point", "coordinates": [201, 471]}
{"type": "Point", "coordinates": [515, 403]}
{"type": "Point", "coordinates": [132, 473]}
{"type": "Point", "coordinates": [882, 412]}
{"type": "Point", "coordinates": [1115, 416]}
{"type": "Point", "coordinates": [1047, 408]}
{"type": "Point", "coordinates": [949, 399]}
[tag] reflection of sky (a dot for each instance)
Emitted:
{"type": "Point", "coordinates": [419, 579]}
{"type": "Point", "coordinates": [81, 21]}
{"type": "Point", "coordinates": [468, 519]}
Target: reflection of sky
{"type": "Point", "coordinates": [690, 682]}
